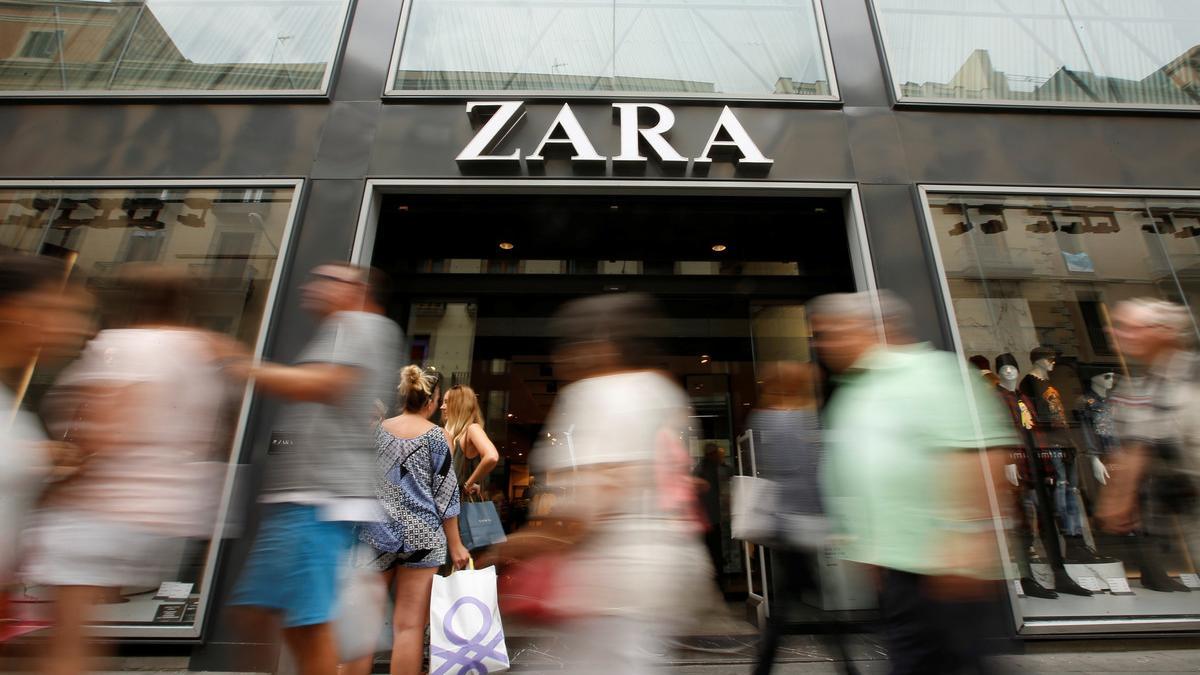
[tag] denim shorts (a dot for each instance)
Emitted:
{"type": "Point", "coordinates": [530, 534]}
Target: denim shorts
{"type": "Point", "coordinates": [294, 567]}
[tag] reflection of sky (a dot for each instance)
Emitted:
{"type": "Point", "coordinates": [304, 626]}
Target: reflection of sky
{"type": "Point", "coordinates": [929, 40]}
{"type": "Point", "coordinates": [255, 31]}
{"type": "Point", "coordinates": [739, 45]}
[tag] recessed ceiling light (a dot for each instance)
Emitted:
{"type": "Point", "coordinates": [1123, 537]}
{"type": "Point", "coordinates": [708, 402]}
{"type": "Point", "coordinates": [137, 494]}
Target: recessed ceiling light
{"type": "Point", "coordinates": [719, 247]}
{"type": "Point", "coordinates": [506, 245]}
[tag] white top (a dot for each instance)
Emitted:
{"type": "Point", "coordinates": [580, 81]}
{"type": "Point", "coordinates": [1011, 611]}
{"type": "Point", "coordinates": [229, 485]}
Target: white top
{"type": "Point", "coordinates": [624, 464]}
{"type": "Point", "coordinates": [163, 433]}
{"type": "Point", "coordinates": [22, 466]}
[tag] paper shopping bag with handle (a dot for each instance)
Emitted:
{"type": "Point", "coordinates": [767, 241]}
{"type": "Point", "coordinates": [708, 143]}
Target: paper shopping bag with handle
{"type": "Point", "coordinates": [465, 634]}
{"type": "Point", "coordinates": [479, 525]}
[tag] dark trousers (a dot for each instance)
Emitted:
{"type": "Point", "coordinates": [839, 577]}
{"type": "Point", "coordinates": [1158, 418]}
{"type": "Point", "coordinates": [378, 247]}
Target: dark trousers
{"type": "Point", "coordinates": [797, 574]}
{"type": "Point", "coordinates": [927, 636]}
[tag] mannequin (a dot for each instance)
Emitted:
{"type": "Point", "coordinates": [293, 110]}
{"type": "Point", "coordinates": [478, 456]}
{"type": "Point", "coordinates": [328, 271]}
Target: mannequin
{"type": "Point", "coordinates": [1052, 418]}
{"type": "Point", "coordinates": [1028, 473]}
{"type": "Point", "coordinates": [1093, 412]}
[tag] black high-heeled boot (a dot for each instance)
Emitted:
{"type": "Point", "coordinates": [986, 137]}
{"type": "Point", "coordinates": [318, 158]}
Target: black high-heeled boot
{"type": "Point", "coordinates": [1063, 583]}
{"type": "Point", "coordinates": [1035, 590]}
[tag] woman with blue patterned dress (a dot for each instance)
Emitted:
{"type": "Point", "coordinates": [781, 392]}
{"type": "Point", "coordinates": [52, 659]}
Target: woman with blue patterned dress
{"type": "Point", "coordinates": [418, 491]}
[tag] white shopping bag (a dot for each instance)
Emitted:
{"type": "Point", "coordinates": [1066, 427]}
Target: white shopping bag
{"type": "Point", "coordinates": [465, 634]}
{"type": "Point", "coordinates": [753, 506]}
{"type": "Point", "coordinates": [362, 608]}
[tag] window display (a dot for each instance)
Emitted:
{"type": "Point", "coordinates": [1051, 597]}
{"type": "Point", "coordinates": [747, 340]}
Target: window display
{"type": "Point", "coordinates": [1033, 282]}
{"type": "Point", "coordinates": [220, 243]}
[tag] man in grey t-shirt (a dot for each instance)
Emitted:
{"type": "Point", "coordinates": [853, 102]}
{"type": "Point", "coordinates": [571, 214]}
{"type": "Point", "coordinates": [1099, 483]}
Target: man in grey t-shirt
{"type": "Point", "coordinates": [319, 472]}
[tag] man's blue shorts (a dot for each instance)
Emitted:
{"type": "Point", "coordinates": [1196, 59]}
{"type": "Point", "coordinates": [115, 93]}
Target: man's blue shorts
{"type": "Point", "coordinates": [294, 567]}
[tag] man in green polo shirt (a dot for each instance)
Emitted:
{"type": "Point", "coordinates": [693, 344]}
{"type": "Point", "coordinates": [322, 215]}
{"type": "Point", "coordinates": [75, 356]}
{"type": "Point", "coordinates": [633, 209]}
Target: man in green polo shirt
{"type": "Point", "coordinates": [907, 437]}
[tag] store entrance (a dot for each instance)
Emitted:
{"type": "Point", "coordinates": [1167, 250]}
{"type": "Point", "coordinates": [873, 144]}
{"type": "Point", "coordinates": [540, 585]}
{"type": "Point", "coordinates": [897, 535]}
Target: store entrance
{"type": "Point", "coordinates": [477, 278]}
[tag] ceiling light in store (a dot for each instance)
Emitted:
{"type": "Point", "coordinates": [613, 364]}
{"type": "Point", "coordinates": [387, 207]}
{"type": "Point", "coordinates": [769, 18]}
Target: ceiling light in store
{"type": "Point", "coordinates": [819, 209]}
{"type": "Point", "coordinates": [402, 207]}
{"type": "Point", "coordinates": [507, 245]}
{"type": "Point", "coordinates": [510, 416]}
{"type": "Point", "coordinates": [719, 247]}
{"type": "Point", "coordinates": [614, 207]}
{"type": "Point", "coordinates": [705, 358]}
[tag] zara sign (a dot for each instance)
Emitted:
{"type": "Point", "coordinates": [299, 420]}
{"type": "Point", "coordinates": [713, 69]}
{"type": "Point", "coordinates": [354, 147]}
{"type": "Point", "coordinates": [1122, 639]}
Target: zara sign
{"type": "Point", "coordinates": [643, 127]}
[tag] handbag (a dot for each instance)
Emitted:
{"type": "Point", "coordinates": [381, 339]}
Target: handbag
{"type": "Point", "coordinates": [528, 589]}
{"type": "Point", "coordinates": [466, 636]}
{"type": "Point", "coordinates": [531, 581]}
{"type": "Point", "coordinates": [479, 525]}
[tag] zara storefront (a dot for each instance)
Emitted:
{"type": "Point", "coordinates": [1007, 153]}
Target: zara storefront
{"type": "Point", "coordinates": [1011, 168]}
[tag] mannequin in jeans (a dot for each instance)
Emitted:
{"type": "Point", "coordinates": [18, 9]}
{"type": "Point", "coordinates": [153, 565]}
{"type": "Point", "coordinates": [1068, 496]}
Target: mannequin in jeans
{"type": "Point", "coordinates": [1031, 478]}
{"type": "Point", "coordinates": [1093, 411]}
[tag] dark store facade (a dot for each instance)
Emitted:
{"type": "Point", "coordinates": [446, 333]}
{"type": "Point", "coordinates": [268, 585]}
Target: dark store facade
{"type": "Point", "coordinates": [1012, 169]}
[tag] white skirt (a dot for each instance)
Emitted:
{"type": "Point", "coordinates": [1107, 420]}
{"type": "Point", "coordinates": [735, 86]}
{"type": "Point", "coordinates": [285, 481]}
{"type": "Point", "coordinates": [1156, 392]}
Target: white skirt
{"type": "Point", "coordinates": [72, 548]}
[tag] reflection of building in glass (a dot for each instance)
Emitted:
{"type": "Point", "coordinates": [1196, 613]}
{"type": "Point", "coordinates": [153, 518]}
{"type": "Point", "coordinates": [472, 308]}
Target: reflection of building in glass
{"type": "Point", "coordinates": [482, 81]}
{"type": "Point", "coordinates": [1177, 83]}
{"type": "Point", "coordinates": [703, 46]}
{"type": "Point", "coordinates": [477, 81]}
{"type": "Point", "coordinates": [226, 240]}
{"type": "Point", "coordinates": [195, 46]}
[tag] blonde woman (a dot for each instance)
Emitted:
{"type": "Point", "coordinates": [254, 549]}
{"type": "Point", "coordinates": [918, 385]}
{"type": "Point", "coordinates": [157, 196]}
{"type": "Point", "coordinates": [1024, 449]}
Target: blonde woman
{"type": "Point", "coordinates": [474, 453]}
{"type": "Point", "coordinates": [420, 497]}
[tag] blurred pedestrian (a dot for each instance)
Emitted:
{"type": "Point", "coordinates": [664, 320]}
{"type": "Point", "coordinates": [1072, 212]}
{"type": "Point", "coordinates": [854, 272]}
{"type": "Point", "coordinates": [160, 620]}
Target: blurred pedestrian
{"type": "Point", "coordinates": [474, 453]}
{"type": "Point", "coordinates": [712, 478]}
{"type": "Point", "coordinates": [1156, 475]}
{"type": "Point", "coordinates": [145, 404]}
{"type": "Point", "coordinates": [419, 493]}
{"type": "Point", "coordinates": [36, 319]}
{"type": "Point", "coordinates": [905, 484]}
{"type": "Point", "coordinates": [634, 566]}
{"type": "Point", "coordinates": [787, 450]}
{"type": "Point", "coordinates": [321, 480]}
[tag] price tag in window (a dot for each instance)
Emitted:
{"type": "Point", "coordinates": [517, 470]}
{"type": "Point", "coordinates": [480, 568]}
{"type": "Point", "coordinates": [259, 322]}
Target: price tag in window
{"type": "Point", "coordinates": [173, 590]}
{"type": "Point", "coordinates": [1190, 580]}
{"type": "Point", "coordinates": [169, 612]}
{"type": "Point", "coordinates": [1090, 583]}
{"type": "Point", "coordinates": [1016, 583]}
{"type": "Point", "coordinates": [1119, 586]}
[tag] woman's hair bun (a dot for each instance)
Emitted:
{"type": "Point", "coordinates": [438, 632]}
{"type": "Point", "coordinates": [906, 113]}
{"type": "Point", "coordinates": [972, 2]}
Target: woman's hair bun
{"type": "Point", "coordinates": [411, 375]}
{"type": "Point", "coordinates": [416, 387]}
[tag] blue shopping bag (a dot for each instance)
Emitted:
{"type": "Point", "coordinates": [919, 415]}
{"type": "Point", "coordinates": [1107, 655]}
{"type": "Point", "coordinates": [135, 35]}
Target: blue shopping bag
{"type": "Point", "coordinates": [479, 525]}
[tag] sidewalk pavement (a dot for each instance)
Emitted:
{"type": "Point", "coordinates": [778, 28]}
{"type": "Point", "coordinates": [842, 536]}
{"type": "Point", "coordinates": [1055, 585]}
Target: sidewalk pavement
{"type": "Point", "coordinates": [802, 655]}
